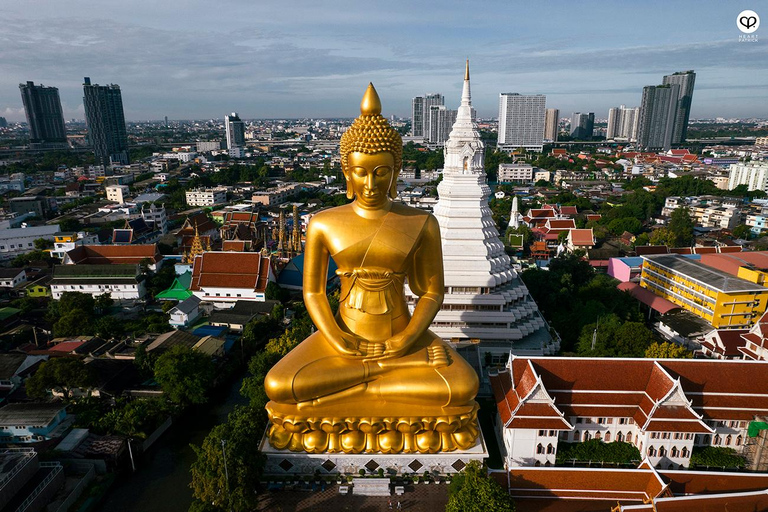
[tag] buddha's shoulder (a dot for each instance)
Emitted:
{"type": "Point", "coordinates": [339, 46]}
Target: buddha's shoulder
{"type": "Point", "coordinates": [331, 216]}
{"type": "Point", "coordinates": [410, 213]}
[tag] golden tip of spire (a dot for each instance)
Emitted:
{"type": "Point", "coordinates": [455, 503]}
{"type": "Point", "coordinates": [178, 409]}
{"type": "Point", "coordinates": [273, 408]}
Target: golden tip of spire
{"type": "Point", "coordinates": [371, 104]}
{"type": "Point", "coordinates": [466, 71]}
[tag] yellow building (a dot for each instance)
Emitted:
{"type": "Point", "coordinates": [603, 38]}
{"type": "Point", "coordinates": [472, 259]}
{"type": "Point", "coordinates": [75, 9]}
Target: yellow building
{"type": "Point", "coordinates": [723, 300]}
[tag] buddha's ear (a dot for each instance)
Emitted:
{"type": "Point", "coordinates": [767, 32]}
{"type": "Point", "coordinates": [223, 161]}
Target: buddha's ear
{"type": "Point", "coordinates": [393, 185]}
{"type": "Point", "coordinates": [350, 192]}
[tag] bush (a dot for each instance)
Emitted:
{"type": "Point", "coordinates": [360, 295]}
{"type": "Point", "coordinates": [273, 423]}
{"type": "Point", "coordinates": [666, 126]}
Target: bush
{"type": "Point", "coordinates": [596, 450]}
{"type": "Point", "coordinates": [716, 456]}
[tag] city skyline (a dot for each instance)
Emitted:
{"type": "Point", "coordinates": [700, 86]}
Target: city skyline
{"type": "Point", "coordinates": [266, 61]}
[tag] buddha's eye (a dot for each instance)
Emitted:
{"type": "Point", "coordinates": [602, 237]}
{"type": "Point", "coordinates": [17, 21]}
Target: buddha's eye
{"type": "Point", "coordinates": [383, 171]}
{"type": "Point", "coordinates": [360, 172]}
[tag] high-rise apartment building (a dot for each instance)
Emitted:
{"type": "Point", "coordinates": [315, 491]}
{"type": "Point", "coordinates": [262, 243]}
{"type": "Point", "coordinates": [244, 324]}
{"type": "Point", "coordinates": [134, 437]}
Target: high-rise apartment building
{"type": "Point", "coordinates": [45, 119]}
{"type": "Point", "coordinates": [235, 129]}
{"type": "Point", "coordinates": [686, 80]}
{"type": "Point", "coordinates": [105, 120]}
{"type": "Point", "coordinates": [440, 123]}
{"type": "Point", "coordinates": [551, 118]}
{"type": "Point", "coordinates": [622, 123]}
{"type": "Point", "coordinates": [420, 108]}
{"type": "Point", "coordinates": [582, 125]}
{"type": "Point", "coordinates": [658, 109]}
{"type": "Point", "coordinates": [521, 121]}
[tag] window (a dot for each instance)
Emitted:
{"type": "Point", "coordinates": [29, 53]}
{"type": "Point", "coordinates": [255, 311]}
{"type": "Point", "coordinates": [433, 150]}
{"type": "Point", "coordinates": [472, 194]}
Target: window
{"type": "Point", "coordinates": [542, 433]}
{"type": "Point", "coordinates": [552, 433]}
{"type": "Point", "coordinates": [651, 451]}
{"type": "Point", "coordinates": [587, 436]}
{"type": "Point", "coordinates": [619, 437]}
{"type": "Point", "coordinates": [673, 452]}
{"type": "Point", "coordinates": [598, 435]}
{"type": "Point", "coordinates": [728, 439]}
{"type": "Point", "coordinates": [608, 421]}
{"type": "Point", "coordinates": [607, 437]}
{"type": "Point", "coordinates": [550, 449]}
{"type": "Point", "coordinates": [684, 452]}
{"type": "Point", "coordinates": [662, 451]}
{"type": "Point", "coordinates": [540, 448]}
{"type": "Point", "coordinates": [738, 440]}
{"type": "Point", "coordinates": [716, 441]}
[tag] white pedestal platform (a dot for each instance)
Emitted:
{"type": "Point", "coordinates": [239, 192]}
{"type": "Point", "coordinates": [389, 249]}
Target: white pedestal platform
{"type": "Point", "coordinates": [286, 462]}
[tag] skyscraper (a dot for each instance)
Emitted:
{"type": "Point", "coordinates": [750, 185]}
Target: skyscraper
{"type": "Point", "coordinates": [420, 108]}
{"type": "Point", "coordinates": [686, 80]}
{"type": "Point", "coordinates": [582, 125]}
{"type": "Point", "coordinates": [417, 116]}
{"type": "Point", "coordinates": [551, 119]}
{"type": "Point", "coordinates": [486, 310]}
{"type": "Point", "coordinates": [521, 121]}
{"type": "Point", "coordinates": [622, 123]}
{"type": "Point", "coordinates": [105, 120]}
{"type": "Point", "coordinates": [235, 129]}
{"type": "Point", "coordinates": [658, 109]}
{"type": "Point", "coordinates": [42, 106]}
{"type": "Point", "coordinates": [440, 123]}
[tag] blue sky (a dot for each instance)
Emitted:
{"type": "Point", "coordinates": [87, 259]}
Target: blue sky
{"type": "Point", "coordinates": [202, 59]}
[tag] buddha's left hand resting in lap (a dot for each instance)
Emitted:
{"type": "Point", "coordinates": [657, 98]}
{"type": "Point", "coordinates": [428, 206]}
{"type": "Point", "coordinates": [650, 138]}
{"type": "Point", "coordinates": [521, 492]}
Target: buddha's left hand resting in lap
{"type": "Point", "coordinates": [373, 377]}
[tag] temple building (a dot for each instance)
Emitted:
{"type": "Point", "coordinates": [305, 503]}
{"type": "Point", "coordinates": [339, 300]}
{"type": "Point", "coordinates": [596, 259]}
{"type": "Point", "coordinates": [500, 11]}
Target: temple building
{"type": "Point", "coordinates": [487, 309]}
{"type": "Point", "coordinates": [666, 407]}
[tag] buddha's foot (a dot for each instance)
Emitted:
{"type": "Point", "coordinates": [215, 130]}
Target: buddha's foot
{"type": "Point", "coordinates": [425, 434]}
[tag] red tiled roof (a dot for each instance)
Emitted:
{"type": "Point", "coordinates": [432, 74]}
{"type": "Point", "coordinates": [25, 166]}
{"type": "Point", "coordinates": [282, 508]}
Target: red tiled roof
{"type": "Point", "coordinates": [679, 152]}
{"type": "Point", "coordinates": [582, 237]}
{"type": "Point", "coordinates": [732, 262]}
{"type": "Point", "coordinates": [648, 298]}
{"type": "Point", "coordinates": [569, 210]}
{"type": "Point", "coordinates": [539, 213]}
{"type": "Point", "coordinates": [705, 250]}
{"type": "Point", "coordinates": [636, 388]}
{"type": "Point", "coordinates": [233, 245]}
{"type": "Point", "coordinates": [247, 270]}
{"type": "Point", "coordinates": [594, 216]}
{"type": "Point", "coordinates": [114, 254]}
{"type": "Point", "coordinates": [561, 224]}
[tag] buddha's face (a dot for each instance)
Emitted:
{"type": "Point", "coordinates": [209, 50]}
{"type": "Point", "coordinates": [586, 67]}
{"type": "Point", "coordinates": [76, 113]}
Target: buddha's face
{"type": "Point", "coordinates": [370, 177]}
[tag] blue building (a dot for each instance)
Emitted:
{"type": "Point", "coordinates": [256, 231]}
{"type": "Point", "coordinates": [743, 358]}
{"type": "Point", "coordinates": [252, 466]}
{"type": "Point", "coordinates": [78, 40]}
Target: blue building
{"type": "Point", "coordinates": [24, 423]}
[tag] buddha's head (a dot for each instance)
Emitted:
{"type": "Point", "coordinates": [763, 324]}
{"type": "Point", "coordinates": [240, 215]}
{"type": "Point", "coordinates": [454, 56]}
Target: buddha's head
{"type": "Point", "coordinates": [371, 154]}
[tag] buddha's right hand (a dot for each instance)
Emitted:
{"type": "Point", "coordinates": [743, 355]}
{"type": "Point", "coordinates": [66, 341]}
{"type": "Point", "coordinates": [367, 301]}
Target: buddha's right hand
{"type": "Point", "coordinates": [346, 344]}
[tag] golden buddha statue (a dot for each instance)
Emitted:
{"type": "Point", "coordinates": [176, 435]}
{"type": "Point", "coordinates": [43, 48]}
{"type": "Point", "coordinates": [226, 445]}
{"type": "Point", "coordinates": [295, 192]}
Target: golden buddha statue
{"type": "Point", "coordinates": [373, 377]}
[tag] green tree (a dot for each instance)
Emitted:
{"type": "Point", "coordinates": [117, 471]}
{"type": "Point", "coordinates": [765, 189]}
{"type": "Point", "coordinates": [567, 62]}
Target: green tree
{"type": "Point", "coordinates": [75, 322]}
{"type": "Point", "coordinates": [184, 375]}
{"type": "Point", "coordinates": [663, 236]}
{"type": "Point", "coordinates": [619, 226]}
{"type": "Point", "coordinates": [42, 244]}
{"type": "Point", "coordinates": [598, 339]}
{"type": "Point", "coordinates": [742, 231]}
{"type": "Point", "coordinates": [61, 373]}
{"type": "Point", "coordinates": [103, 302]}
{"type": "Point", "coordinates": [474, 491]}
{"type": "Point", "coordinates": [667, 350]}
{"type": "Point", "coordinates": [144, 361]}
{"type": "Point", "coordinates": [71, 301]}
{"type": "Point", "coordinates": [136, 418]}
{"type": "Point", "coordinates": [681, 226]}
{"type": "Point", "coordinates": [239, 439]}
{"type": "Point", "coordinates": [632, 339]}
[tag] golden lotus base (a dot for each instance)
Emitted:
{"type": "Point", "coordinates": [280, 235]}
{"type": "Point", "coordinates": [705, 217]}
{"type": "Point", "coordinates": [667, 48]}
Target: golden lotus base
{"type": "Point", "coordinates": [428, 430]}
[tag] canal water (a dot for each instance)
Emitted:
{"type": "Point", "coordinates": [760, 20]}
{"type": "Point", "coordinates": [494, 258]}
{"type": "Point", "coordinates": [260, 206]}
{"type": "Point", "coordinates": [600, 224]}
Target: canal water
{"type": "Point", "coordinates": [161, 483]}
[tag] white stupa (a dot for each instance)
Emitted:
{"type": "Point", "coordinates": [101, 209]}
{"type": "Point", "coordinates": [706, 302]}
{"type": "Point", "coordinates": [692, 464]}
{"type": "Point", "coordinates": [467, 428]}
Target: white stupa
{"type": "Point", "coordinates": [487, 308]}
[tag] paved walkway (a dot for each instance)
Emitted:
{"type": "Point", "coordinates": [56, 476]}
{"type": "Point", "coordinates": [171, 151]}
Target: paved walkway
{"type": "Point", "coordinates": [417, 498]}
